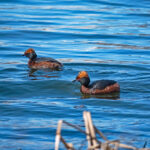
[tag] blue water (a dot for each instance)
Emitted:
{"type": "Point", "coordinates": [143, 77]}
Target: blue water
{"type": "Point", "coordinates": [109, 39]}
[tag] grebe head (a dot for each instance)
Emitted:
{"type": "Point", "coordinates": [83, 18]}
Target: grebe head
{"type": "Point", "coordinates": [30, 53]}
{"type": "Point", "coordinates": [83, 78]}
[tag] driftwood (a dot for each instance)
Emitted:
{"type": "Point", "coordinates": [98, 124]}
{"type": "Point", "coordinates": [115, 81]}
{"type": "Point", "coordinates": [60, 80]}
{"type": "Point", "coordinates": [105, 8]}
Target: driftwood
{"type": "Point", "coordinates": [90, 133]}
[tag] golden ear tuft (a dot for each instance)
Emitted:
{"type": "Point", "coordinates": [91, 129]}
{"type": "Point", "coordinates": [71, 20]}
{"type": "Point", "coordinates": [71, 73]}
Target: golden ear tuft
{"type": "Point", "coordinates": [83, 74]}
{"type": "Point", "coordinates": [30, 50]}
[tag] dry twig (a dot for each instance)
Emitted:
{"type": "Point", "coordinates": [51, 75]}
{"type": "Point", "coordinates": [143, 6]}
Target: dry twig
{"type": "Point", "coordinates": [90, 132]}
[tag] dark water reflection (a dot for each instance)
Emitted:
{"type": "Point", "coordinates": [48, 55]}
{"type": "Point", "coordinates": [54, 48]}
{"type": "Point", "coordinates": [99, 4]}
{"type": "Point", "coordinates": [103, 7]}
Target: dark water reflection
{"type": "Point", "coordinates": [48, 73]}
{"type": "Point", "coordinates": [114, 96]}
{"type": "Point", "coordinates": [109, 39]}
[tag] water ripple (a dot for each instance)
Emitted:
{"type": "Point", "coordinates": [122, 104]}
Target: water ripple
{"type": "Point", "coordinates": [110, 40]}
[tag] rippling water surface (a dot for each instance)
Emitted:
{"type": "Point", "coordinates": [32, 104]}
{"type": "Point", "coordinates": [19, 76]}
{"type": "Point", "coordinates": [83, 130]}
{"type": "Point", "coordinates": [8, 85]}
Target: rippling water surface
{"type": "Point", "coordinates": [109, 39]}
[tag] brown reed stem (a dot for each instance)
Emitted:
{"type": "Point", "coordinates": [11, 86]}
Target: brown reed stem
{"type": "Point", "coordinates": [91, 129]}
{"type": "Point", "coordinates": [58, 135]}
{"type": "Point", "coordinates": [100, 133]}
{"type": "Point", "coordinates": [88, 136]}
{"type": "Point", "coordinates": [74, 126]}
{"type": "Point", "coordinates": [69, 146]}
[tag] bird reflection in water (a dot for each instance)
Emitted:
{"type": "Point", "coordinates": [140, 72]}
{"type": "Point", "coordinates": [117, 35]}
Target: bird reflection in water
{"type": "Point", "coordinates": [33, 75]}
{"type": "Point", "coordinates": [112, 96]}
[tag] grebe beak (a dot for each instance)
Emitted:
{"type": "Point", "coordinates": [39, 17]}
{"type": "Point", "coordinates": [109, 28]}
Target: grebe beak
{"type": "Point", "coordinates": [74, 80]}
{"type": "Point", "coordinates": [77, 79]}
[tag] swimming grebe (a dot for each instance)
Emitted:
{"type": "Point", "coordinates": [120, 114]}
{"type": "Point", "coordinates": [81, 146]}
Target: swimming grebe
{"type": "Point", "coordinates": [41, 63]}
{"type": "Point", "coordinates": [97, 87]}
